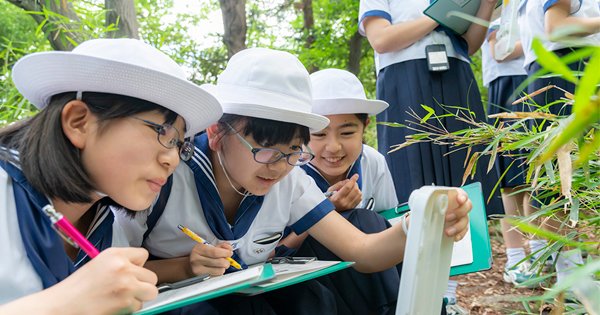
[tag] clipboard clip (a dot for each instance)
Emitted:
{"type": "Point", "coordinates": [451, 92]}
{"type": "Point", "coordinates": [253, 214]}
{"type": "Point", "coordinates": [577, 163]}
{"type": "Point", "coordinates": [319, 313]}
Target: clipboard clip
{"type": "Point", "coordinates": [183, 283]}
{"type": "Point", "coordinates": [292, 260]}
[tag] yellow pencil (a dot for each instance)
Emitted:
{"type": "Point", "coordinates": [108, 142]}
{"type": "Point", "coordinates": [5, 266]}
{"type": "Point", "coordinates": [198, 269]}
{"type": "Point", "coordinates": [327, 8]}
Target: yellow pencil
{"type": "Point", "coordinates": [199, 239]}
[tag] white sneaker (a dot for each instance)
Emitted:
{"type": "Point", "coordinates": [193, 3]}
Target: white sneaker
{"type": "Point", "coordinates": [519, 274]}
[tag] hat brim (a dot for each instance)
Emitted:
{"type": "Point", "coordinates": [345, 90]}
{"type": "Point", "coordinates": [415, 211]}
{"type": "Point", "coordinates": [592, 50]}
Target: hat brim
{"type": "Point", "coordinates": [39, 76]}
{"type": "Point", "coordinates": [336, 106]}
{"type": "Point", "coordinates": [264, 105]}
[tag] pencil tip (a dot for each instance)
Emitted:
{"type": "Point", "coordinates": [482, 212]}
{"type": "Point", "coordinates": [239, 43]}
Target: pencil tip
{"type": "Point", "coordinates": [180, 226]}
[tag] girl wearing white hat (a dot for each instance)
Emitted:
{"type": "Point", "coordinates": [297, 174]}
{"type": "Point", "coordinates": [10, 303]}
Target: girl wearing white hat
{"type": "Point", "coordinates": [358, 180]}
{"type": "Point", "coordinates": [113, 117]}
{"type": "Point", "coordinates": [241, 189]}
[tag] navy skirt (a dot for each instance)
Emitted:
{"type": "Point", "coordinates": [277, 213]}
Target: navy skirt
{"type": "Point", "coordinates": [407, 85]}
{"type": "Point", "coordinates": [552, 95]}
{"type": "Point", "coordinates": [499, 101]}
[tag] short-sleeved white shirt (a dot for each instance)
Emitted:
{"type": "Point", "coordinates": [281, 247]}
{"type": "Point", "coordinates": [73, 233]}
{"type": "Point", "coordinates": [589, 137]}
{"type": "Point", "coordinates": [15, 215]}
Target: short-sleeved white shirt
{"type": "Point", "coordinates": [375, 180]}
{"type": "Point", "coordinates": [17, 275]}
{"type": "Point", "coordinates": [398, 11]}
{"type": "Point", "coordinates": [492, 69]}
{"type": "Point", "coordinates": [531, 25]}
{"type": "Point", "coordinates": [295, 201]}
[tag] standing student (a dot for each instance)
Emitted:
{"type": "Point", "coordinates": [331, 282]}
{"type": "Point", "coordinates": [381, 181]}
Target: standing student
{"type": "Point", "coordinates": [242, 186]}
{"type": "Point", "coordinates": [503, 78]}
{"type": "Point", "coordinates": [539, 19]}
{"type": "Point", "coordinates": [358, 179]}
{"type": "Point", "coordinates": [112, 121]}
{"type": "Point", "coordinates": [401, 35]}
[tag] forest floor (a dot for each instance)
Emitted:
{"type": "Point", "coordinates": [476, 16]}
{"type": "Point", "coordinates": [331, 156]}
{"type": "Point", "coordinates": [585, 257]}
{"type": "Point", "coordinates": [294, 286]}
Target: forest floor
{"type": "Point", "coordinates": [486, 292]}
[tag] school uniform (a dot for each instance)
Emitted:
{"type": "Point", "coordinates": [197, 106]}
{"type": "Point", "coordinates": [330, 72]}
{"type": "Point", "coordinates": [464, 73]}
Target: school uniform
{"type": "Point", "coordinates": [355, 292]}
{"type": "Point", "coordinates": [405, 82]}
{"type": "Point", "coordinates": [31, 252]}
{"type": "Point", "coordinates": [502, 80]}
{"type": "Point", "coordinates": [374, 179]}
{"type": "Point", "coordinates": [194, 202]}
{"type": "Point", "coordinates": [531, 24]}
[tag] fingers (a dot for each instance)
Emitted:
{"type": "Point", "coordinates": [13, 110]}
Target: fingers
{"type": "Point", "coordinates": [210, 259]}
{"type": "Point", "coordinates": [135, 255]}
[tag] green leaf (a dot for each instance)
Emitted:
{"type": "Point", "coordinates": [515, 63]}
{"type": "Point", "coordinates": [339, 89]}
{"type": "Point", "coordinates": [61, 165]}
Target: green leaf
{"type": "Point", "coordinates": [430, 112]}
{"type": "Point", "coordinates": [588, 84]}
{"type": "Point", "coordinates": [551, 61]}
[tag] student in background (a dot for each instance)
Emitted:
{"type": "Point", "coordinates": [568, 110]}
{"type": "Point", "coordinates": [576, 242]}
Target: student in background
{"type": "Point", "coordinates": [400, 34]}
{"type": "Point", "coordinates": [538, 19]}
{"type": "Point", "coordinates": [110, 129]}
{"type": "Point", "coordinates": [242, 186]}
{"type": "Point", "coordinates": [359, 182]}
{"type": "Point", "coordinates": [503, 78]}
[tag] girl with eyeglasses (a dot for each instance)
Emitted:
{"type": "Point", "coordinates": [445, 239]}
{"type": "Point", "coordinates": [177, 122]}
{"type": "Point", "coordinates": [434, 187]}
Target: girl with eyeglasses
{"type": "Point", "coordinates": [111, 129]}
{"type": "Point", "coordinates": [242, 188]}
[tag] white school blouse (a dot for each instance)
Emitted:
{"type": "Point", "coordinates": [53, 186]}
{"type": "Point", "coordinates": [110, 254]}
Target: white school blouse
{"type": "Point", "coordinates": [398, 11]}
{"type": "Point", "coordinates": [492, 69]}
{"type": "Point", "coordinates": [375, 179]}
{"type": "Point", "coordinates": [17, 275]}
{"type": "Point", "coordinates": [295, 201]}
{"type": "Point", "coordinates": [531, 24]}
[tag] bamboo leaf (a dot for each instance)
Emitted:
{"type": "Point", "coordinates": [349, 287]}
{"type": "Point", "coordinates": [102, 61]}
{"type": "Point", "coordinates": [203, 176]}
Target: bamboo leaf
{"type": "Point", "coordinates": [588, 149]}
{"type": "Point", "coordinates": [430, 112]}
{"type": "Point", "coordinates": [588, 84]}
{"type": "Point", "coordinates": [551, 61]}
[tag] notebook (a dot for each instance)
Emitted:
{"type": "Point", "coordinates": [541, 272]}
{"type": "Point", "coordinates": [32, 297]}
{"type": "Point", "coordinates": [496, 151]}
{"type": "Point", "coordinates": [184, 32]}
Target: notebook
{"type": "Point", "coordinates": [208, 289]}
{"type": "Point", "coordinates": [289, 274]}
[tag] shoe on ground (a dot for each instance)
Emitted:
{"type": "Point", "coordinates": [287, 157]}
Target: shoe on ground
{"type": "Point", "coordinates": [519, 274]}
{"type": "Point", "coordinates": [452, 308]}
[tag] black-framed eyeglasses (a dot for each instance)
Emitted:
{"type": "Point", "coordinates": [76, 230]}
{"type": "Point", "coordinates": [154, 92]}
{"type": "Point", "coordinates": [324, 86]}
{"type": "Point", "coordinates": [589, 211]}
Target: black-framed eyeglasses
{"type": "Point", "coordinates": [168, 137]}
{"type": "Point", "coordinates": [269, 156]}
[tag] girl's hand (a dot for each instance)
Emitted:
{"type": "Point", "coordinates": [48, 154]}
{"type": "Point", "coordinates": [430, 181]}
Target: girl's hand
{"type": "Point", "coordinates": [112, 283]}
{"type": "Point", "coordinates": [457, 215]}
{"type": "Point", "coordinates": [210, 259]}
{"type": "Point", "coordinates": [347, 194]}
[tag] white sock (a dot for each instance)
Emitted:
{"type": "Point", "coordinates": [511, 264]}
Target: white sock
{"type": "Point", "coordinates": [514, 256]}
{"type": "Point", "coordinates": [451, 289]}
{"type": "Point", "coordinates": [536, 247]}
{"type": "Point", "coordinates": [566, 262]}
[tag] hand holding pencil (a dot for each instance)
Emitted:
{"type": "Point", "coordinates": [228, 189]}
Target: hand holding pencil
{"type": "Point", "coordinates": [200, 240]}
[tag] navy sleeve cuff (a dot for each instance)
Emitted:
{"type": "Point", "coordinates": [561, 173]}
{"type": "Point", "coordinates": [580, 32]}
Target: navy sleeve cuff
{"type": "Point", "coordinates": [313, 216]}
{"type": "Point", "coordinates": [378, 13]}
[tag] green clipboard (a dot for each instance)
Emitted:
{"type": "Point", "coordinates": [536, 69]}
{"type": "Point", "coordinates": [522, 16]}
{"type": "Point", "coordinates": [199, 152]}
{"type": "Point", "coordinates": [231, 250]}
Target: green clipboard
{"type": "Point", "coordinates": [266, 274]}
{"type": "Point", "coordinates": [439, 9]}
{"type": "Point", "coordinates": [308, 276]}
{"type": "Point", "coordinates": [480, 237]}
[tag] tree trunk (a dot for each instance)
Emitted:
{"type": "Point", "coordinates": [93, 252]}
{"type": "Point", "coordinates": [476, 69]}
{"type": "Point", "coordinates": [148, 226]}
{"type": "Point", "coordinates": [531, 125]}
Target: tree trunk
{"type": "Point", "coordinates": [56, 28]}
{"type": "Point", "coordinates": [309, 25]}
{"type": "Point", "coordinates": [234, 22]}
{"type": "Point", "coordinates": [355, 53]}
{"type": "Point", "coordinates": [121, 13]}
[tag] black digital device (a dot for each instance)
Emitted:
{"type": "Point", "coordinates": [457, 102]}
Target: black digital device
{"type": "Point", "coordinates": [183, 283]}
{"type": "Point", "coordinates": [437, 57]}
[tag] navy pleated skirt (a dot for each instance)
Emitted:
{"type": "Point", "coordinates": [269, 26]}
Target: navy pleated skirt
{"type": "Point", "coordinates": [407, 85]}
{"type": "Point", "coordinates": [500, 98]}
{"type": "Point", "coordinates": [550, 96]}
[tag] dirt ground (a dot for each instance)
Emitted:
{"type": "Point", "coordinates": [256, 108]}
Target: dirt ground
{"type": "Point", "coordinates": [486, 293]}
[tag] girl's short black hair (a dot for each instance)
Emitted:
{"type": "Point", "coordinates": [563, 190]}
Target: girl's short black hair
{"type": "Point", "coordinates": [265, 132]}
{"type": "Point", "coordinates": [363, 118]}
{"type": "Point", "coordinates": [50, 162]}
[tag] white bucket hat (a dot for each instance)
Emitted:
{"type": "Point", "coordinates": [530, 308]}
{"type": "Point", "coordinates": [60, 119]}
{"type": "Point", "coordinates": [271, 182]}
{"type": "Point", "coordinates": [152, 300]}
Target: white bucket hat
{"type": "Point", "coordinates": [269, 84]}
{"type": "Point", "coordinates": [338, 91]}
{"type": "Point", "coordinates": [123, 66]}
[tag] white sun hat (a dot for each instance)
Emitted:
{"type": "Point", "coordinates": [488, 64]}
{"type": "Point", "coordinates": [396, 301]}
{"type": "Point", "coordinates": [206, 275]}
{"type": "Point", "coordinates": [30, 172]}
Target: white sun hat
{"type": "Point", "coordinates": [338, 91]}
{"type": "Point", "coordinates": [269, 84]}
{"type": "Point", "coordinates": [123, 66]}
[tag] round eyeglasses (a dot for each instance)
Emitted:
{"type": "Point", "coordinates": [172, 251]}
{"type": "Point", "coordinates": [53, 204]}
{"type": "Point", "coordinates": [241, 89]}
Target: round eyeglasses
{"type": "Point", "coordinates": [168, 137]}
{"type": "Point", "coordinates": [268, 156]}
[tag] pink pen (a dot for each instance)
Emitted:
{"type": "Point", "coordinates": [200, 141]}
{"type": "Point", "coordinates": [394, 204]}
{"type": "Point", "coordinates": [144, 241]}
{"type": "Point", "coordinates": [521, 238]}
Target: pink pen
{"type": "Point", "coordinates": [64, 226]}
